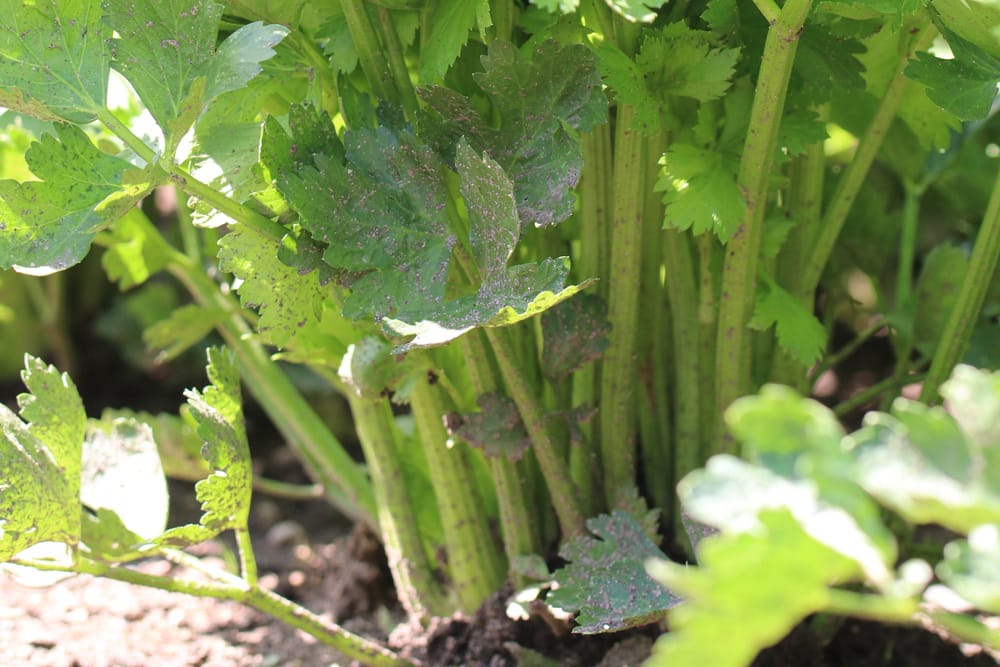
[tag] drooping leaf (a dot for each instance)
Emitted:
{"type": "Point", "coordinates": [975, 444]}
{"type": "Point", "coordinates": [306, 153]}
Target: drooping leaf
{"type": "Point", "coordinates": [606, 581]}
{"type": "Point", "coordinates": [40, 462]}
{"type": "Point", "coordinates": [497, 428]}
{"type": "Point", "coordinates": [800, 334]}
{"type": "Point", "coordinates": [54, 59]}
{"type": "Point", "coordinates": [286, 298]}
{"type": "Point", "coordinates": [758, 585]}
{"type": "Point", "coordinates": [47, 225]}
{"type": "Point", "coordinates": [534, 97]}
{"type": "Point", "coordinates": [123, 482]}
{"type": "Point", "coordinates": [965, 85]}
{"type": "Point", "coordinates": [225, 493]}
{"type": "Point", "coordinates": [574, 333]}
{"type": "Point", "coordinates": [972, 567]}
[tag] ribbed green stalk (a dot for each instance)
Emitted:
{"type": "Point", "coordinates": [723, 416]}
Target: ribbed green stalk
{"type": "Point", "coordinates": [518, 526]}
{"type": "Point", "coordinates": [965, 312]}
{"type": "Point", "coordinates": [475, 563]}
{"type": "Point", "coordinates": [618, 371]}
{"type": "Point", "coordinates": [347, 487]}
{"type": "Point", "coordinates": [707, 324]}
{"type": "Point", "coordinates": [416, 587]}
{"type": "Point", "coordinates": [739, 277]}
{"type": "Point", "coordinates": [397, 63]}
{"type": "Point", "coordinates": [526, 397]}
{"type": "Point", "coordinates": [683, 293]}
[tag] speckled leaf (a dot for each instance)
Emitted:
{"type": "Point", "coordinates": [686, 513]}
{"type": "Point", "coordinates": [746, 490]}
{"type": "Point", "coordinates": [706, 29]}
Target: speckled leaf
{"type": "Point", "coordinates": [225, 493]}
{"type": "Point", "coordinates": [167, 51]}
{"type": "Point", "coordinates": [54, 59]}
{"type": "Point", "coordinates": [286, 298]}
{"type": "Point", "coordinates": [40, 461]}
{"type": "Point", "coordinates": [534, 97]}
{"type": "Point", "coordinates": [606, 580]}
{"type": "Point", "coordinates": [497, 428]}
{"type": "Point", "coordinates": [47, 225]}
{"type": "Point", "coordinates": [122, 475]}
{"type": "Point", "coordinates": [575, 332]}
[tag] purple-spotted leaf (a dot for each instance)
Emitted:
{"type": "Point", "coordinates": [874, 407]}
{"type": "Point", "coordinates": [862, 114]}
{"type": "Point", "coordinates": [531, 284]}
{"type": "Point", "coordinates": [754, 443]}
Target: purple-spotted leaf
{"type": "Point", "coordinates": [497, 428]}
{"type": "Point", "coordinates": [535, 96]}
{"type": "Point", "coordinates": [574, 333]}
{"type": "Point", "coordinates": [606, 582]}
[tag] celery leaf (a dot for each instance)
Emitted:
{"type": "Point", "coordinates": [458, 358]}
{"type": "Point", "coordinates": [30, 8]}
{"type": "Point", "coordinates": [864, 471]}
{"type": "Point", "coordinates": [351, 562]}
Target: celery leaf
{"type": "Point", "coordinates": [606, 581]}
{"type": "Point", "coordinates": [966, 85]}
{"type": "Point", "coordinates": [40, 462]}
{"type": "Point", "coordinates": [54, 58]}
{"type": "Point", "coordinates": [535, 97]}
{"type": "Point", "coordinates": [800, 334]}
{"type": "Point", "coordinates": [47, 225]}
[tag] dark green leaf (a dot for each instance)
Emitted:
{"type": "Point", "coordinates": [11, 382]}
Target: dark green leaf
{"type": "Point", "coordinates": [574, 333]}
{"type": "Point", "coordinates": [606, 581]}
{"type": "Point", "coordinates": [497, 428]}
{"type": "Point", "coordinates": [534, 98]}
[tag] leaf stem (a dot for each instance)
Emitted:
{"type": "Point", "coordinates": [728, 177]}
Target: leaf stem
{"type": "Point", "coordinates": [618, 371]}
{"type": "Point", "coordinates": [263, 600]}
{"type": "Point", "coordinates": [476, 565]}
{"type": "Point", "coordinates": [517, 525]}
{"type": "Point", "coordinates": [418, 591]}
{"type": "Point", "coordinates": [248, 563]}
{"type": "Point", "coordinates": [192, 186]}
{"type": "Point", "coordinates": [370, 53]}
{"type": "Point", "coordinates": [528, 402]}
{"type": "Point", "coordinates": [346, 484]}
{"type": "Point", "coordinates": [739, 278]}
{"type": "Point", "coordinates": [893, 382]}
{"type": "Point", "coordinates": [965, 312]}
{"type": "Point", "coordinates": [856, 172]}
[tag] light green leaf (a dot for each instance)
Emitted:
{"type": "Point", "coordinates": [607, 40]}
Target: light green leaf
{"type": "Point", "coordinates": [562, 6]}
{"type": "Point", "coordinates": [757, 585]}
{"type": "Point", "coordinates": [225, 493]}
{"type": "Point", "coordinates": [799, 333]}
{"type": "Point", "coordinates": [606, 581]}
{"type": "Point", "coordinates": [137, 251]}
{"type": "Point", "coordinates": [167, 52]}
{"type": "Point", "coordinates": [779, 421]}
{"type": "Point", "coordinates": [965, 85]}
{"type": "Point", "coordinates": [54, 58]}
{"type": "Point", "coordinates": [974, 402]}
{"type": "Point", "coordinates": [286, 298]}
{"type": "Point", "coordinates": [47, 225]}
{"type": "Point", "coordinates": [40, 462]}
{"type": "Point", "coordinates": [185, 327]}
{"type": "Point", "coordinates": [732, 495]}
{"type": "Point", "coordinates": [450, 29]}
{"type": "Point", "coordinates": [700, 191]}
{"type": "Point", "coordinates": [972, 567]}
{"type": "Point", "coordinates": [636, 10]}
{"type": "Point", "coordinates": [918, 462]}
{"type": "Point", "coordinates": [122, 476]}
